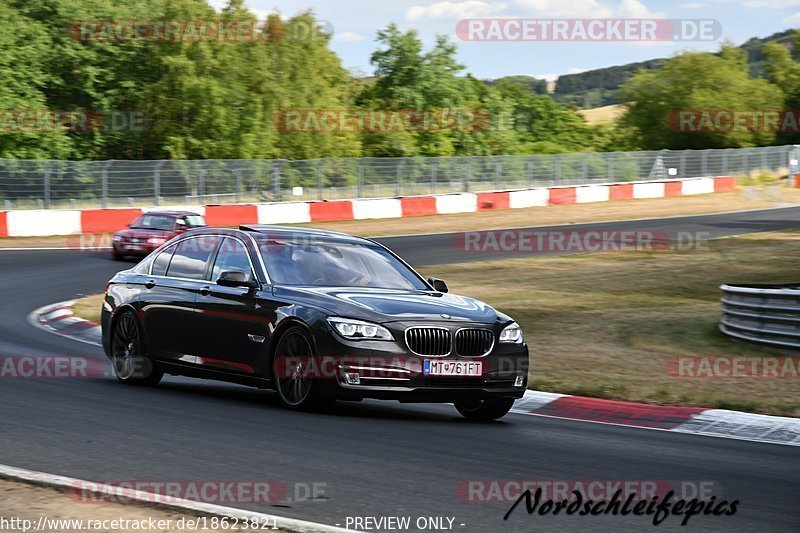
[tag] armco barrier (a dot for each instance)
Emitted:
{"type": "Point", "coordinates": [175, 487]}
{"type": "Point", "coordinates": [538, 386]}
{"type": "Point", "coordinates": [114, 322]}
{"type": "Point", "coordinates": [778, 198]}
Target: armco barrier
{"type": "Point", "coordinates": [414, 206]}
{"type": "Point", "coordinates": [43, 222]}
{"type": "Point", "coordinates": [724, 184]}
{"type": "Point", "coordinates": [231, 215]}
{"type": "Point", "coordinates": [106, 220]}
{"type": "Point", "coordinates": [766, 314]}
{"type": "Point", "coordinates": [562, 195]}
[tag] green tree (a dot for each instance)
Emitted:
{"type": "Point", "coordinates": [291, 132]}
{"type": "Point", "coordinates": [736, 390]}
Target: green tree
{"type": "Point", "coordinates": [697, 82]}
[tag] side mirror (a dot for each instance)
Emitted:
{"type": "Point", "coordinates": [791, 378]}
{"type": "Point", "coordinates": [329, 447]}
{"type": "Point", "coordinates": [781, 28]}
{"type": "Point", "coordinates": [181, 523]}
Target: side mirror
{"type": "Point", "coordinates": [236, 278]}
{"type": "Point", "coordinates": [438, 284]}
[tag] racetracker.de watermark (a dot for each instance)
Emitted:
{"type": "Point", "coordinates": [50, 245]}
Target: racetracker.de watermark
{"type": "Point", "coordinates": [52, 367]}
{"type": "Point", "coordinates": [587, 30]}
{"type": "Point", "coordinates": [509, 490]}
{"type": "Point", "coordinates": [71, 121]}
{"type": "Point", "coordinates": [313, 121]}
{"type": "Point", "coordinates": [195, 31]}
{"type": "Point", "coordinates": [217, 492]}
{"type": "Point", "coordinates": [548, 242]}
{"type": "Point", "coordinates": [734, 367]}
{"type": "Point", "coordinates": [735, 121]}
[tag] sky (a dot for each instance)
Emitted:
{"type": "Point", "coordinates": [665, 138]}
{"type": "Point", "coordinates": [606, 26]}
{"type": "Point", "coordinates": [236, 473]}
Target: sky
{"type": "Point", "coordinates": [356, 22]}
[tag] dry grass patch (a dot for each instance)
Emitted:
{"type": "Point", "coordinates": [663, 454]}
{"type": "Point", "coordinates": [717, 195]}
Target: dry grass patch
{"type": "Point", "coordinates": [89, 307]}
{"type": "Point", "coordinates": [606, 325]}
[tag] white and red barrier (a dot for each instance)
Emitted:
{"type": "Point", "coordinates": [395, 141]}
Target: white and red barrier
{"type": "Point", "coordinates": [34, 223]}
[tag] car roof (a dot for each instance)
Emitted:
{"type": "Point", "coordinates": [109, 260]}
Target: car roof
{"type": "Point", "coordinates": [172, 213]}
{"type": "Point", "coordinates": [289, 232]}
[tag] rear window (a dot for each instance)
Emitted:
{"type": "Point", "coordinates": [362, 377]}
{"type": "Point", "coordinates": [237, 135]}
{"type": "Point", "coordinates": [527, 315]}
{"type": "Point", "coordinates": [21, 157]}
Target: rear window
{"type": "Point", "coordinates": [191, 258]}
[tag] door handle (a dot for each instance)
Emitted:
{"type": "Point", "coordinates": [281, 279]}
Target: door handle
{"type": "Point", "coordinates": [150, 283]}
{"type": "Point", "coordinates": [205, 291]}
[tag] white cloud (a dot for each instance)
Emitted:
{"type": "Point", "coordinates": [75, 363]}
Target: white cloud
{"type": "Point", "coordinates": [794, 18]}
{"type": "Point", "coordinates": [770, 4]}
{"type": "Point", "coordinates": [455, 10]}
{"type": "Point", "coordinates": [575, 70]}
{"type": "Point", "coordinates": [348, 37]}
{"type": "Point", "coordinates": [692, 5]}
{"type": "Point", "coordinates": [588, 8]}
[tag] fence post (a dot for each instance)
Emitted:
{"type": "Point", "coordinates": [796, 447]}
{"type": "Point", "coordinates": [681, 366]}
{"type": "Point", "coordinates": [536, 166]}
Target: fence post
{"type": "Point", "coordinates": [104, 185]}
{"type": "Point", "coordinates": [498, 173]}
{"type": "Point", "coordinates": [529, 173]}
{"type": "Point", "coordinates": [399, 173]}
{"type": "Point", "coordinates": [238, 174]}
{"type": "Point", "coordinates": [585, 168]}
{"type": "Point", "coordinates": [683, 164]}
{"type": "Point", "coordinates": [434, 165]}
{"type": "Point", "coordinates": [360, 191]}
{"type": "Point", "coordinates": [320, 178]}
{"type": "Point", "coordinates": [610, 167]}
{"type": "Point", "coordinates": [704, 164]}
{"type": "Point", "coordinates": [47, 189]}
{"type": "Point", "coordinates": [725, 162]}
{"type": "Point", "coordinates": [746, 162]}
{"type": "Point", "coordinates": [157, 184]}
{"type": "Point", "coordinates": [276, 180]}
{"type": "Point", "coordinates": [558, 169]}
{"type": "Point", "coordinates": [201, 177]}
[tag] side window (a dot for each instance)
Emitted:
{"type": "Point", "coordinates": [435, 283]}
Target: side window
{"type": "Point", "coordinates": [232, 256]}
{"type": "Point", "coordinates": [191, 258]}
{"type": "Point", "coordinates": [161, 262]}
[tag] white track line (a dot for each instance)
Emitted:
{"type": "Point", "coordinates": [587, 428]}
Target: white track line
{"type": "Point", "coordinates": [155, 500]}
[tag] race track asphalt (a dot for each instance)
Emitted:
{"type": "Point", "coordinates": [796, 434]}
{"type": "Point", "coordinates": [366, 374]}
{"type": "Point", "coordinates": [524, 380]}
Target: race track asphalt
{"type": "Point", "coordinates": [374, 459]}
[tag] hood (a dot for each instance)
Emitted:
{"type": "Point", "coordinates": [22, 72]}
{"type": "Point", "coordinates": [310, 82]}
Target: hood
{"type": "Point", "coordinates": [389, 305]}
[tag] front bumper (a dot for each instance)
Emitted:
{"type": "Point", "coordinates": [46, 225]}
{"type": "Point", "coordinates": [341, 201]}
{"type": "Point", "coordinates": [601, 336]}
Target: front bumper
{"type": "Point", "coordinates": [134, 249]}
{"type": "Point", "coordinates": [388, 370]}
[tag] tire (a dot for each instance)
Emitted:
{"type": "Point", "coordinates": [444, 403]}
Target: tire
{"type": "Point", "coordinates": [117, 256]}
{"type": "Point", "coordinates": [294, 368]}
{"type": "Point", "coordinates": [485, 410]}
{"type": "Point", "coordinates": [128, 356]}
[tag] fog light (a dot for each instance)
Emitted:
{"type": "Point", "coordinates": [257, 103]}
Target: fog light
{"type": "Point", "coordinates": [518, 382]}
{"type": "Point", "coordinates": [352, 379]}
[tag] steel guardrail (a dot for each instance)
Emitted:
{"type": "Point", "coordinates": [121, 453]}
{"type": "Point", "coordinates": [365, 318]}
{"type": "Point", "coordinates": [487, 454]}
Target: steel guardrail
{"type": "Point", "coordinates": [765, 314]}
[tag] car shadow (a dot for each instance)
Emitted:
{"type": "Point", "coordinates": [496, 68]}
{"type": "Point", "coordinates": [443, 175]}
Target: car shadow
{"type": "Point", "coordinates": [267, 399]}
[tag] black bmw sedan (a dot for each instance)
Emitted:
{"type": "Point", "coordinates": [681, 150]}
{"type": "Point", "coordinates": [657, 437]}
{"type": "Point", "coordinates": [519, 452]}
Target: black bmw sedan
{"type": "Point", "coordinates": [315, 315]}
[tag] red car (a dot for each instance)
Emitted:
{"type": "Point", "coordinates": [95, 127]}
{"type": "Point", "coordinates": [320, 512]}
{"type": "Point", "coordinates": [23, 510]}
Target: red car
{"type": "Point", "coordinates": [153, 229]}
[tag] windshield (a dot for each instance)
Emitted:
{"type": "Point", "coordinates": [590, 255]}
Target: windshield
{"type": "Point", "coordinates": [158, 222]}
{"type": "Point", "coordinates": [336, 264]}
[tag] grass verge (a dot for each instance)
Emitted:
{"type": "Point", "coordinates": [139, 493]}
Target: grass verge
{"type": "Point", "coordinates": [89, 307]}
{"type": "Point", "coordinates": [606, 325]}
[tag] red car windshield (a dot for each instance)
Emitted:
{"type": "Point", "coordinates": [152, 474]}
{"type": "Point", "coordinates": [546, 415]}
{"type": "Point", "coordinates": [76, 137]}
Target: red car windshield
{"type": "Point", "coordinates": [155, 222]}
{"type": "Point", "coordinates": [167, 222]}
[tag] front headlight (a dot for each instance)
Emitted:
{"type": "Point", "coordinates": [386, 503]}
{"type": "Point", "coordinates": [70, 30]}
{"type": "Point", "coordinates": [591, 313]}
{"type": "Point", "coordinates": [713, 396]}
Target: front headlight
{"type": "Point", "coordinates": [512, 334]}
{"type": "Point", "coordinates": [356, 329]}
{"type": "Point", "coordinates": [156, 241]}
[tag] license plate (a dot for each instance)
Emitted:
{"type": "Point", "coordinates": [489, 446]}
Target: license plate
{"type": "Point", "coordinates": [453, 368]}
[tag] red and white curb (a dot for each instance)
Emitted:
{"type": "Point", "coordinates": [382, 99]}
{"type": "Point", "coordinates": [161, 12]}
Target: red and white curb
{"type": "Point", "coordinates": [693, 420]}
{"type": "Point", "coordinates": [44, 222]}
{"type": "Point", "coordinates": [159, 501]}
{"type": "Point", "coordinates": [58, 318]}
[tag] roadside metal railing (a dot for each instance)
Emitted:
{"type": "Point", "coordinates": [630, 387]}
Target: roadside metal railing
{"type": "Point", "coordinates": [766, 314]}
{"type": "Point", "coordinates": [45, 184]}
